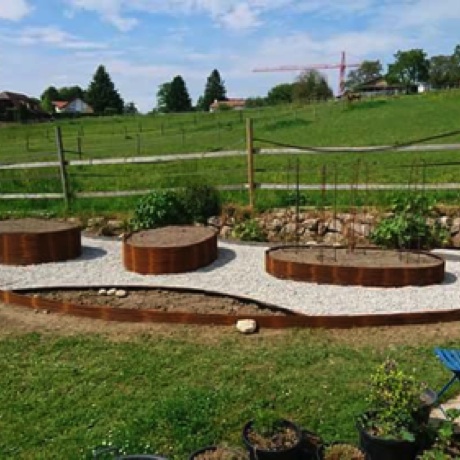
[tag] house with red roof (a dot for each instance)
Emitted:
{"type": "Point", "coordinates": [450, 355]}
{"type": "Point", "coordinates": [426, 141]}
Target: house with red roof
{"type": "Point", "coordinates": [75, 106]}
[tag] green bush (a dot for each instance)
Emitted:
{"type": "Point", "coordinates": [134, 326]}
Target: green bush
{"type": "Point", "coordinates": [249, 230]}
{"type": "Point", "coordinates": [201, 202]}
{"type": "Point", "coordinates": [407, 227]}
{"type": "Point", "coordinates": [160, 208]}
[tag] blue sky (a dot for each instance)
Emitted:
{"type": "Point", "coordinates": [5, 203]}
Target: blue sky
{"type": "Point", "coordinates": [144, 43]}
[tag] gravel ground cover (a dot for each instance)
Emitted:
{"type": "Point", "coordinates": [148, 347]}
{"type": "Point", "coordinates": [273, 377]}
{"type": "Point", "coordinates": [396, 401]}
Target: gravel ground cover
{"type": "Point", "coordinates": [239, 270]}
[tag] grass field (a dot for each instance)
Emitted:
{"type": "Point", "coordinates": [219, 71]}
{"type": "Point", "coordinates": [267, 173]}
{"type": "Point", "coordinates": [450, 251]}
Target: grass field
{"type": "Point", "coordinates": [180, 388]}
{"type": "Point", "coordinates": [373, 122]}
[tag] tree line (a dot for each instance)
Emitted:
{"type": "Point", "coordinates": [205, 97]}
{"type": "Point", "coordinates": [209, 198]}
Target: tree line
{"type": "Point", "coordinates": [409, 68]}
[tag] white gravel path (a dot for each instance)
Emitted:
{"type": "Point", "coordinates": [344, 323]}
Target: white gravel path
{"type": "Point", "coordinates": [240, 271]}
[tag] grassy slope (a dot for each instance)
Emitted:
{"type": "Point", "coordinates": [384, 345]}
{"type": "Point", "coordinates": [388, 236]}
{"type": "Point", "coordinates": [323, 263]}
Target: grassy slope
{"type": "Point", "coordinates": [375, 122]}
{"type": "Point", "coordinates": [61, 396]}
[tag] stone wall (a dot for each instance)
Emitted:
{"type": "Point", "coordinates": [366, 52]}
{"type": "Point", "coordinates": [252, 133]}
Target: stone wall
{"type": "Point", "coordinates": [282, 225]}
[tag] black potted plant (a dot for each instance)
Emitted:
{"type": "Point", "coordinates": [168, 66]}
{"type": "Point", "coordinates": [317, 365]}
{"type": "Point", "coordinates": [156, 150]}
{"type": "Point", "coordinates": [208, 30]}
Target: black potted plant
{"type": "Point", "coordinates": [270, 437]}
{"type": "Point", "coordinates": [395, 427]}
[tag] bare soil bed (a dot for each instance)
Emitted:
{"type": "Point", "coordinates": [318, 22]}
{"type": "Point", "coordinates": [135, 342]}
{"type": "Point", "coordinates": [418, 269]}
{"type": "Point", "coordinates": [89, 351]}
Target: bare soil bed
{"type": "Point", "coordinates": [171, 236]}
{"type": "Point", "coordinates": [162, 300]}
{"type": "Point", "coordinates": [357, 258]}
{"type": "Point", "coordinates": [31, 225]}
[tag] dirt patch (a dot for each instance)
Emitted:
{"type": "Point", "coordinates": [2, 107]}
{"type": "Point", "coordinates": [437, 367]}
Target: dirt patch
{"type": "Point", "coordinates": [31, 225]}
{"type": "Point", "coordinates": [357, 258]}
{"type": "Point", "coordinates": [172, 236]}
{"type": "Point", "coordinates": [162, 300]}
{"type": "Point", "coordinates": [16, 321]}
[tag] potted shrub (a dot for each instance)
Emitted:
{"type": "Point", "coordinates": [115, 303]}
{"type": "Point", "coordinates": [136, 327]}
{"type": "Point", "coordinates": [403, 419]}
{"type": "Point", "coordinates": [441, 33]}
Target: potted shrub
{"type": "Point", "coordinates": [395, 427]}
{"type": "Point", "coordinates": [269, 437]}
{"type": "Point", "coordinates": [219, 453]}
{"type": "Point", "coordinates": [342, 451]}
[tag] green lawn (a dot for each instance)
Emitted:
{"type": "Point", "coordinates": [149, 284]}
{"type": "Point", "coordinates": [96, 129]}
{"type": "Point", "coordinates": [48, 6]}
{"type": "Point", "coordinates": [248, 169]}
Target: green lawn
{"type": "Point", "coordinates": [184, 388]}
{"type": "Point", "coordinates": [373, 122]}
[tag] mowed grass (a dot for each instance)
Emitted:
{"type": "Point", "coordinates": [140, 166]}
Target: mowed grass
{"type": "Point", "coordinates": [373, 122]}
{"type": "Point", "coordinates": [185, 388]}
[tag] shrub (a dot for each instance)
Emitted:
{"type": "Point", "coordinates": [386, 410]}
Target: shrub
{"type": "Point", "coordinates": [201, 202]}
{"type": "Point", "coordinates": [160, 208]}
{"type": "Point", "coordinates": [407, 227]}
{"type": "Point", "coordinates": [249, 230]}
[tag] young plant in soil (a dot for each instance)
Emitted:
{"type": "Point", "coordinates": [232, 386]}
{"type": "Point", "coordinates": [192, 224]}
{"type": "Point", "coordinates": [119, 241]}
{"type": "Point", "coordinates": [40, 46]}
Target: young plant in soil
{"type": "Point", "coordinates": [343, 452]}
{"type": "Point", "coordinates": [222, 453]}
{"type": "Point", "coordinates": [270, 432]}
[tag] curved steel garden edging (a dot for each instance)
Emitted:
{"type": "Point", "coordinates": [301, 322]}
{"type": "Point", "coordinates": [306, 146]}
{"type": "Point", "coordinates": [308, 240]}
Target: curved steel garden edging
{"type": "Point", "coordinates": [27, 248]}
{"type": "Point", "coordinates": [324, 273]}
{"type": "Point", "coordinates": [291, 320]}
{"type": "Point", "coordinates": [170, 259]}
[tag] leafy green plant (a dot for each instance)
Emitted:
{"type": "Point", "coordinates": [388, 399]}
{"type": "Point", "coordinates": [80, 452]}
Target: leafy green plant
{"type": "Point", "coordinates": [446, 446]}
{"type": "Point", "coordinates": [201, 202]}
{"type": "Point", "coordinates": [407, 227]}
{"type": "Point", "coordinates": [249, 230]}
{"type": "Point", "coordinates": [394, 399]}
{"type": "Point", "coordinates": [160, 208]}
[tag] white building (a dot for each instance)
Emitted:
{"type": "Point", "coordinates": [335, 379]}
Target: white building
{"type": "Point", "coordinates": [75, 106]}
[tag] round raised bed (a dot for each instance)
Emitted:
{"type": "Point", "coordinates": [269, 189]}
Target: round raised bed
{"type": "Point", "coordinates": [362, 266]}
{"type": "Point", "coordinates": [34, 241]}
{"type": "Point", "coordinates": [173, 249]}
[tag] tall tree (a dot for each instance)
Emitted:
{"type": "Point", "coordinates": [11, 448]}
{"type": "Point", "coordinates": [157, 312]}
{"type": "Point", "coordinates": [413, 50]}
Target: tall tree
{"type": "Point", "coordinates": [410, 67]}
{"type": "Point", "coordinates": [280, 94]}
{"type": "Point", "coordinates": [130, 109]}
{"type": "Point", "coordinates": [163, 97]}
{"type": "Point", "coordinates": [178, 98]}
{"type": "Point", "coordinates": [48, 96]}
{"type": "Point", "coordinates": [102, 95]}
{"type": "Point", "coordinates": [367, 71]}
{"type": "Point", "coordinates": [68, 93]}
{"type": "Point", "coordinates": [214, 90]}
{"type": "Point", "coordinates": [311, 85]}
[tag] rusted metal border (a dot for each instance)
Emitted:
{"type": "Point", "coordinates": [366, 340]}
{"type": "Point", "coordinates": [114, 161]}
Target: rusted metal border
{"type": "Point", "coordinates": [174, 259]}
{"type": "Point", "coordinates": [324, 273]}
{"type": "Point", "coordinates": [27, 248]}
{"type": "Point", "coordinates": [291, 320]}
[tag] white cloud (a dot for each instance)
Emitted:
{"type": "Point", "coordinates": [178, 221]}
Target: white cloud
{"type": "Point", "coordinates": [55, 37]}
{"type": "Point", "coordinates": [14, 10]}
{"type": "Point", "coordinates": [240, 17]}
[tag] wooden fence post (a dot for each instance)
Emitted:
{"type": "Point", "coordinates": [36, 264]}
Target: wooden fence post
{"type": "Point", "coordinates": [62, 166]}
{"type": "Point", "coordinates": [250, 151]}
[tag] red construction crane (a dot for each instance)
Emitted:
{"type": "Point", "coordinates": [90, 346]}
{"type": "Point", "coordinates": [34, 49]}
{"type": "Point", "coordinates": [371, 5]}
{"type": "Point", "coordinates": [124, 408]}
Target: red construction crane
{"type": "Point", "coordinates": [342, 66]}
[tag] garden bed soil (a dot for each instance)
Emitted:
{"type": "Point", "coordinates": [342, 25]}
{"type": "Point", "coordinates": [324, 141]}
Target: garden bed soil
{"type": "Point", "coordinates": [358, 258]}
{"type": "Point", "coordinates": [171, 236]}
{"type": "Point", "coordinates": [284, 438]}
{"type": "Point", "coordinates": [161, 300]}
{"type": "Point", "coordinates": [31, 225]}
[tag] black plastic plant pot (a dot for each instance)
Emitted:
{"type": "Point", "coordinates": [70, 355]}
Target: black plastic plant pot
{"type": "Point", "coordinates": [377, 448]}
{"type": "Point", "coordinates": [322, 451]}
{"type": "Point", "coordinates": [202, 451]}
{"type": "Point", "coordinates": [292, 453]}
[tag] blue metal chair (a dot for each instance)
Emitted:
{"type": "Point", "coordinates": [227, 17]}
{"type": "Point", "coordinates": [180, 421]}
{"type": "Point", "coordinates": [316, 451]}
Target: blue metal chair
{"type": "Point", "coordinates": [451, 359]}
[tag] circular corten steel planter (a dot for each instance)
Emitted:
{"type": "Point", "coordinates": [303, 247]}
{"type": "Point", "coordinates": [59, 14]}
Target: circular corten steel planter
{"type": "Point", "coordinates": [173, 249]}
{"type": "Point", "coordinates": [35, 241]}
{"type": "Point", "coordinates": [310, 264]}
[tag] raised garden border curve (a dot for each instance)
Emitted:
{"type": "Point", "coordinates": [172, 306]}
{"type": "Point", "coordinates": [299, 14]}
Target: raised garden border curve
{"type": "Point", "coordinates": [23, 298]}
{"type": "Point", "coordinates": [349, 275]}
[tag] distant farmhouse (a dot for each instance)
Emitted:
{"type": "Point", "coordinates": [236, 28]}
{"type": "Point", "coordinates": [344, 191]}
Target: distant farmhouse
{"type": "Point", "coordinates": [228, 104]}
{"type": "Point", "coordinates": [19, 107]}
{"type": "Point", "coordinates": [381, 87]}
{"type": "Point", "coordinates": [75, 106]}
